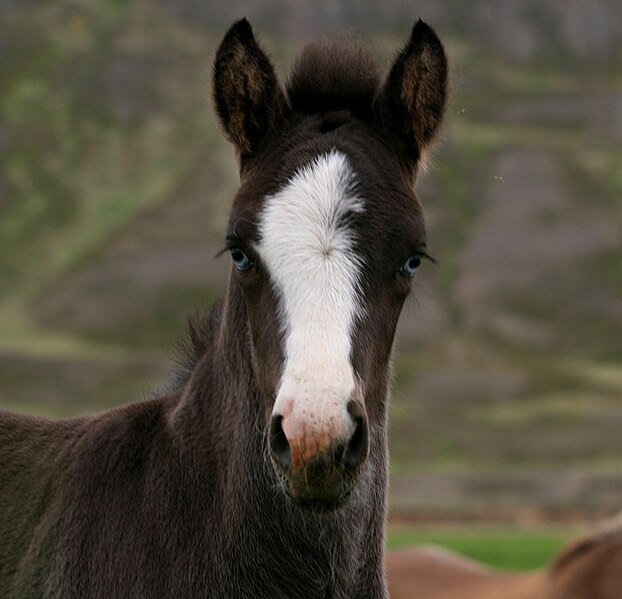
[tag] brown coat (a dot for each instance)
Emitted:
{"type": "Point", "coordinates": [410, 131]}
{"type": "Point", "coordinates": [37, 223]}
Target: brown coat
{"type": "Point", "coordinates": [590, 568]}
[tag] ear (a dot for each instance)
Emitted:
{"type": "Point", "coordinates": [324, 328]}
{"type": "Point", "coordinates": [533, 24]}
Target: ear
{"type": "Point", "coordinates": [248, 98]}
{"type": "Point", "coordinates": [410, 106]}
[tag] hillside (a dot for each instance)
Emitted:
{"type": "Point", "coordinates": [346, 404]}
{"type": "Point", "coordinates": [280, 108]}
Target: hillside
{"type": "Point", "coordinates": [114, 189]}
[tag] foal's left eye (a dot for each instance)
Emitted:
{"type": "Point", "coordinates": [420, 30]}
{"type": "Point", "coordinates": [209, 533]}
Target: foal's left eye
{"type": "Point", "coordinates": [240, 259]}
{"type": "Point", "coordinates": [411, 265]}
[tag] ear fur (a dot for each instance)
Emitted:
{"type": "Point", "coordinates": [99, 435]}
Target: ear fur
{"type": "Point", "coordinates": [410, 106]}
{"type": "Point", "coordinates": [247, 95]}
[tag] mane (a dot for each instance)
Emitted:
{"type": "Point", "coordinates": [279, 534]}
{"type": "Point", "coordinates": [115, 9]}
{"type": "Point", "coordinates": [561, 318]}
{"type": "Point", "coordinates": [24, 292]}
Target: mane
{"type": "Point", "coordinates": [335, 74]}
{"type": "Point", "coordinates": [608, 532]}
{"type": "Point", "coordinates": [190, 348]}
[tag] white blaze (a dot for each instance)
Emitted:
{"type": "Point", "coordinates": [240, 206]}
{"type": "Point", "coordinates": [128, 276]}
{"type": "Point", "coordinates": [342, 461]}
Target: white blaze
{"type": "Point", "coordinates": [309, 253]}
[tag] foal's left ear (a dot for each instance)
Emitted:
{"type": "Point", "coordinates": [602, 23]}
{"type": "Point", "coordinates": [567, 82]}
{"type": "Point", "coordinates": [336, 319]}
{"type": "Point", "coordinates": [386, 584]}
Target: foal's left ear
{"type": "Point", "coordinates": [249, 100]}
{"type": "Point", "coordinates": [410, 106]}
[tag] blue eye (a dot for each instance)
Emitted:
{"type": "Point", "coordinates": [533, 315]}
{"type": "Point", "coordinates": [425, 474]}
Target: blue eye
{"type": "Point", "coordinates": [240, 260]}
{"type": "Point", "coordinates": [409, 268]}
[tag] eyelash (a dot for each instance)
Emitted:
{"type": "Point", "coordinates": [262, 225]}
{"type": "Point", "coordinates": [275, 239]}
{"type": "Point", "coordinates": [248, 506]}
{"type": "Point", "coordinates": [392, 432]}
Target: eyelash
{"type": "Point", "coordinates": [426, 256]}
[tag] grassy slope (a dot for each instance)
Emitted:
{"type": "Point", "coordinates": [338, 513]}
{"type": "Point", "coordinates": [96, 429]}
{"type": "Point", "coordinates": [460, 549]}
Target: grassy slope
{"type": "Point", "coordinates": [112, 163]}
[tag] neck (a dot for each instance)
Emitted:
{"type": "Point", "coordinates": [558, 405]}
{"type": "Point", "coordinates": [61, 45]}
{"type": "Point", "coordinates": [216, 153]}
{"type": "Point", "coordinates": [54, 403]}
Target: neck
{"type": "Point", "coordinates": [219, 375]}
{"type": "Point", "coordinates": [344, 547]}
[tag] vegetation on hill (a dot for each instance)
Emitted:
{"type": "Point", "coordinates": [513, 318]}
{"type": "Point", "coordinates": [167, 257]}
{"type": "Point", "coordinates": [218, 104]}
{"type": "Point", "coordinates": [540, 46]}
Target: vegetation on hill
{"type": "Point", "coordinates": [114, 190]}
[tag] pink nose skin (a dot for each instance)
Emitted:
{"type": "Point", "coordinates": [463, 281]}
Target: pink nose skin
{"type": "Point", "coordinates": [298, 440]}
{"type": "Point", "coordinates": [306, 441]}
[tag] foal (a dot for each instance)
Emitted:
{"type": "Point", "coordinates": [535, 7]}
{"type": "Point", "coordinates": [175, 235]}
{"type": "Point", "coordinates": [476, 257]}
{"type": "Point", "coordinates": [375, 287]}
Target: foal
{"type": "Point", "coordinates": [261, 472]}
{"type": "Point", "coordinates": [590, 568]}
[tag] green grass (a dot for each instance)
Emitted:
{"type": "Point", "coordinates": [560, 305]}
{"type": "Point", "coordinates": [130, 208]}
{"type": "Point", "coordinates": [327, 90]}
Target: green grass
{"type": "Point", "coordinates": [500, 548]}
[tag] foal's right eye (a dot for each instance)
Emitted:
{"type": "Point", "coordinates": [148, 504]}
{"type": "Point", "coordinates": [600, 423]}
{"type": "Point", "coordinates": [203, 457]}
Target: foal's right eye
{"type": "Point", "coordinates": [240, 259]}
{"type": "Point", "coordinates": [411, 265]}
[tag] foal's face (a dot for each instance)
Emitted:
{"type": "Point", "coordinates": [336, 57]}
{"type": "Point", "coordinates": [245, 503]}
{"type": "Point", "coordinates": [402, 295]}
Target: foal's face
{"type": "Point", "coordinates": [325, 235]}
{"type": "Point", "coordinates": [326, 261]}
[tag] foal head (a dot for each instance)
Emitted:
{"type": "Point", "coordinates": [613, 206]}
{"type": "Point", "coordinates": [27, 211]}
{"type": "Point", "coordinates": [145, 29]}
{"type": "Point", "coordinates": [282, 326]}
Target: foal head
{"type": "Point", "coordinates": [325, 236]}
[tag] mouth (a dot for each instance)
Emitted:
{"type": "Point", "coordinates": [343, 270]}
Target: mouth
{"type": "Point", "coordinates": [321, 486]}
{"type": "Point", "coordinates": [319, 505]}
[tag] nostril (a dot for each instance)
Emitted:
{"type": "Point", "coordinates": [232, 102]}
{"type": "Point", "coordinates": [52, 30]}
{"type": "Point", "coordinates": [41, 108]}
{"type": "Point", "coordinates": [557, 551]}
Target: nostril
{"type": "Point", "coordinates": [279, 444]}
{"type": "Point", "coordinates": [358, 445]}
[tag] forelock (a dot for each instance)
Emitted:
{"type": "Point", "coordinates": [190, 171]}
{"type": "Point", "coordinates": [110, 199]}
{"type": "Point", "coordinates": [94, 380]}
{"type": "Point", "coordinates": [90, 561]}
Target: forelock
{"type": "Point", "coordinates": [335, 74]}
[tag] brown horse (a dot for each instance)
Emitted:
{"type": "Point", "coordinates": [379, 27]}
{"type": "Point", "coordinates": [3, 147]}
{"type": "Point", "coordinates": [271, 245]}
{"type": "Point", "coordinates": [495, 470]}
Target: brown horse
{"type": "Point", "coordinates": [590, 568]}
{"type": "Point", "coordinates": [261, 470]}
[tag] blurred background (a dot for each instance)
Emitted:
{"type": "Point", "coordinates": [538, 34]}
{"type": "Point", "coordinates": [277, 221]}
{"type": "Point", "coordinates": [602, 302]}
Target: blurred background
{"type": "Point", "coordinates": [115, 184]}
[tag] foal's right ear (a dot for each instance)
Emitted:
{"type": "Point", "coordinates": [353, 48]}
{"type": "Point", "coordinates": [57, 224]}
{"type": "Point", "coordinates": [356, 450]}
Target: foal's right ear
{"type": "Point", "coordinates": [410, 106]}
{"type": "Point", "coordinates": [249, 100]}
